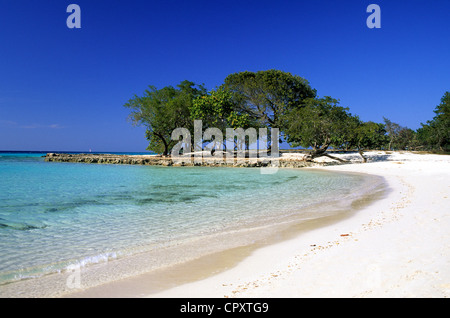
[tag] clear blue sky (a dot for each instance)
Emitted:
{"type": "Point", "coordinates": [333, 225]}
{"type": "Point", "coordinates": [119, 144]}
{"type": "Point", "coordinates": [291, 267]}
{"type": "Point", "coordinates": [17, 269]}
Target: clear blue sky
{"type": "Point", "coordinates": [64, 89]}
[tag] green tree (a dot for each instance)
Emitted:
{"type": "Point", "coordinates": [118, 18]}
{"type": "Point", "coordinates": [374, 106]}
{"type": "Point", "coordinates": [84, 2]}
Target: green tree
{"type": "Point", "coordinates": [366, 135]}
{"type": "Point", "coordinates": [392, 130]}
{"type": "Point", "coordinates": [319, 124]}
{"type": "Point", "coordinates": [268, 96]}
{"type": "Point", "coordinates": [218, 109]}
{"type": "Point", "coordinates": [435, 134]}
{"type": "Point", "coordinates": [400, 137]}
{"type": "Point", "coordinates": [406, 139]}
{"type": "Point", "coordinates": [163, 110]}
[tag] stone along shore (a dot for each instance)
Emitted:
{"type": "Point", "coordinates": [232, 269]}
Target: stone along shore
{"type": "Point", "coordinates": [157, 160]}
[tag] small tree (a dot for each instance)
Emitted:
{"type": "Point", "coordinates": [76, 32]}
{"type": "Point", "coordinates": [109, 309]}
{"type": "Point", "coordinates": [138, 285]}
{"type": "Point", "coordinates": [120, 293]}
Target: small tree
{"type": "Point", "coordinates": [406, 139]}
{"type": "Point", "coordinates": [163, 110]}
{"type": "Point", "coordinates": [400, 137]}
{"type": "Point", "coordinates": [366, 135]}
{"type": "Point", "coordinates": [319, 124]}
{"type": "Point", "coordinates": [393, 130]}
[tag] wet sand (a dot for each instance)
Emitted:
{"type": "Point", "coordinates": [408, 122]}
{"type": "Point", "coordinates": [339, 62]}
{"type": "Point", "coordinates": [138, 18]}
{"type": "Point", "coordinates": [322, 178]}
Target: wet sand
{"type": "Point", "coordinates": [397, 247]}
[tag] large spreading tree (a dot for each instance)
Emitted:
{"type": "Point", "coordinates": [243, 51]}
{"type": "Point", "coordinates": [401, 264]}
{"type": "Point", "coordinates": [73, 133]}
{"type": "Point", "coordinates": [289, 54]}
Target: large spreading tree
{"type": "Point", "coordinates": [268, 96]}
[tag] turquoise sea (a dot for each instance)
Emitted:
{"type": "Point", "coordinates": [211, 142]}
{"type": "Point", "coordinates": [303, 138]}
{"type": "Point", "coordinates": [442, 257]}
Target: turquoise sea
{"type": "Point", "coordinates": [54, 215]}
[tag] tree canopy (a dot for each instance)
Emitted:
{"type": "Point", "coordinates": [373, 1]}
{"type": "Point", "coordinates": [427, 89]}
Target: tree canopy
{"type": "Point", "coordinates": [218, 109]}
{"type": "Point", "coordinates": [319, 124]}
{"type": "Point", "coordinates": [277, 99]}
{"type": "Point", "coordinates": [268, 95]}
{"type": "Point", "coordinates": [436, 132]}
{"type": "Point", "coordinates": [163, 110]}
{"type": "Point", "coordinates": [365, 135]}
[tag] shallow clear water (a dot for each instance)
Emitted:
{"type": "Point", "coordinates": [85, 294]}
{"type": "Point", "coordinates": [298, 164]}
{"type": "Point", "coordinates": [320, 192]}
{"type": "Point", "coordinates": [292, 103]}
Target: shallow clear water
{"type": "Point", "coordinates": [53, 215]}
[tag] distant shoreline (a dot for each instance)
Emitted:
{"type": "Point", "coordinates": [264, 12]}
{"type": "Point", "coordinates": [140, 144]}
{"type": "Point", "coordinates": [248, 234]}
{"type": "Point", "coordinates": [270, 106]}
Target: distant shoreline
{"type": "Point", "coordinates": [157, 160]}
{"type": "Point", "coordinates": [287, 159]}
{"type": "Point", "coordinates": [79, 152]}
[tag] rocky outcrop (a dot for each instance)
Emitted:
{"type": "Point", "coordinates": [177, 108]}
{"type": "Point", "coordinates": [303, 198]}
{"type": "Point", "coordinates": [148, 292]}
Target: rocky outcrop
{"type": "Point", "coordinates": [167, 161]}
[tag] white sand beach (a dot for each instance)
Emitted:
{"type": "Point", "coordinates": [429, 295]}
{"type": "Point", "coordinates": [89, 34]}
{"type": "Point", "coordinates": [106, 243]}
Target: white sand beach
{"type": "Point", "coordinates": [399, 246]}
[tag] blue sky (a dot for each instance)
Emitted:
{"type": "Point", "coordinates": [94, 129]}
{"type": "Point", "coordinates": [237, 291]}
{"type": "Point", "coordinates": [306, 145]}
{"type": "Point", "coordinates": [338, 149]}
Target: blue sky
{"type": "Point", "coordinates": [64, 89]}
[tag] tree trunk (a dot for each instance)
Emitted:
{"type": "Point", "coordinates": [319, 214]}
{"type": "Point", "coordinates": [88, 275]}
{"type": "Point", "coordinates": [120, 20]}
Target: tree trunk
{"type": "Point", "coordinates": [166, 149]}
{"type": "Point", "coordinates": [166, 145]}
{"type": "Point", "coordinates": [335, 158]}
{"type": "Point", "coordinates": [361, 153]}
{"type": "Point", "coordinates": [321, 152]}
{"type": "Point", "coordinates": [316, 153]}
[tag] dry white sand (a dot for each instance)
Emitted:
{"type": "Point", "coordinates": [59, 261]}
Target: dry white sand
{"type": "Point", "coordinates": [398, 246]}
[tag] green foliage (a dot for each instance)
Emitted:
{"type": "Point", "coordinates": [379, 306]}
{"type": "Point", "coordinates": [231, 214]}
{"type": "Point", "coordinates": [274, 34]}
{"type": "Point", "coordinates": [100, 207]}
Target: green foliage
{"type": "Point", "coordinates": [399, 137]}
{"type": "Point", "coordinates": [267, 96]}
{"type": "Point", "coordinates": [393, 130]}
{"type": "Point", "coordinates": [218, 109]}
{"type": "Point", "coordinates": [406, 139]}
{"type": "Point", "coordinates": [277, 99]}
{"type": "Point", "coordinates": [435, 134]}
{"type": "Point", "coordinates": [319, 124]}
{"type": "Point", "coordinates": [367, 135]}
{"type": "Point", "coordinates": [163, 110]}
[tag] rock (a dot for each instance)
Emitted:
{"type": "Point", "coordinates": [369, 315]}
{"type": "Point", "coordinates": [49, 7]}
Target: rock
{"type": "Point", "coordinates": [167, 161]}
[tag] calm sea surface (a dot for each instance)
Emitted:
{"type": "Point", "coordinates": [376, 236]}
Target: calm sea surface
{"type": "Point", "coordinates": [53, 215]}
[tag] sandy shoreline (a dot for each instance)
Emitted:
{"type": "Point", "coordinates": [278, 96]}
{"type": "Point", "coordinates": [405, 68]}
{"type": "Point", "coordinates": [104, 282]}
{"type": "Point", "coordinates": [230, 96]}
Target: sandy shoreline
{"type": "Point", "coordinates": [397, 247]}
{"type": "Point", "coordinates": [224, 250]}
